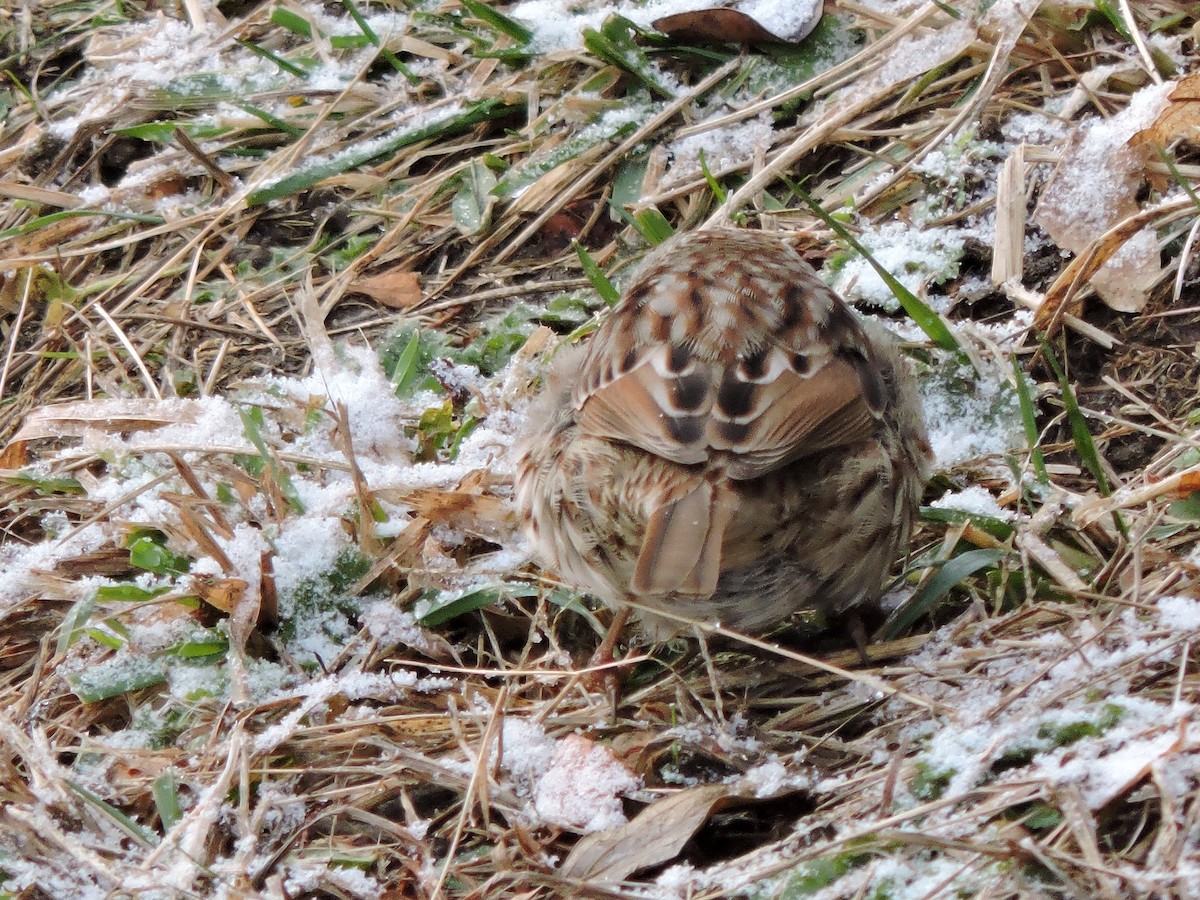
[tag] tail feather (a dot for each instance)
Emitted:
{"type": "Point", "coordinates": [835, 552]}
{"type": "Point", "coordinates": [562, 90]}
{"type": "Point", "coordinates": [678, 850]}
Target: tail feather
{"type": "Point", "coordinates": [681, 549]}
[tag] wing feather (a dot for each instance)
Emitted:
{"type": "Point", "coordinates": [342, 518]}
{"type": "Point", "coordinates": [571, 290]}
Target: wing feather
{"type": "Point", "coordinates": [732, 370]}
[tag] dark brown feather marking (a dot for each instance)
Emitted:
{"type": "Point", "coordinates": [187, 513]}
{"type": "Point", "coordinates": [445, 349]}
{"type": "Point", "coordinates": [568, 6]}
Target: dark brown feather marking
{"type": "Point", "coordinates": [754, 364]}
{"type": "Point", "coordinates": [733, 432]}
{"type": "Point", "coordinates": [874, 390]}
{"type": "Point", "coordinates": [627, 361]}
{"type": "Point", "coordinates": [678, 358]}
{"type": "Point", "coordinates": [690, 391]}
{"type": "Point", "coordinates": [795, 307]}
{"type": "Point", "coordinates": [735, 397]}
{"type": "Point", "coordinates": [685, 429]}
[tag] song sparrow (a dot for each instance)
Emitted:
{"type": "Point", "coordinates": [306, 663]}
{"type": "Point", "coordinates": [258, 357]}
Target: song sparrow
{"type": "Point", "coordinates": [731, 445]}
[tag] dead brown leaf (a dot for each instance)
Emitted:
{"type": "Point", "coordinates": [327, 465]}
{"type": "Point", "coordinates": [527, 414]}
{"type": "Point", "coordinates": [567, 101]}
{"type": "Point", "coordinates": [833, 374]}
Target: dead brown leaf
{"type": "Point", "coordinates": [221, 593]}
{"type": "Point", "coordinates": [395, 289]}
{"type": "Point", "coordinates": [1063, 295]}
{"type": "Point", "coordinates": [1180, 118]}
{"type": "Point", "coordinates": [48, 237]}
{"type": "Point", "coordinates": [705, 26]}
{"type": "Point", "coordinates": [14, 456]}
{"type": "Point", "coordinates": [1095, 190]}
{"type": "Point", "coordinates": [171, 185]}
{"type": "Point", "coordinates": [479, 514]}
{"type": "Point", "coordinates": [112, 562]}
{"type": "Point", "coordinates": [730, 26]}
{"type": "Point", "coordinates": [1188, 484]}
{"type": "Point", "coordinates": [654, 836]}
{"type": "Point", "coordinates": [198, 529]}
{"type": "Point", "coordinates": [111, 416]}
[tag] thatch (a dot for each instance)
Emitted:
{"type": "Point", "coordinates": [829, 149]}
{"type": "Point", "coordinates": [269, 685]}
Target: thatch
{"type": "Point", "coordinates": [276, 285]}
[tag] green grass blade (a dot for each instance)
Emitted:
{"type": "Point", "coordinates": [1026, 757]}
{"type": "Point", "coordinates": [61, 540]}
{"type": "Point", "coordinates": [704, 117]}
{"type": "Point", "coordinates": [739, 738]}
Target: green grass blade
{"type": "Point", "coordinates": [166, 800]}
{"type": "Point", "coordinates": [1183, 183]}
{"type": "Point", "coordinates": [473, 202]}
{"type": "Point", "coordinates": [46, 486]}
{"type": "Point", "coordinates": [929, 321]}
{"type": "Point", "coordinates": [952, 572]}
{"type": "Point", "coordinates": [140, 833]}
{"type": "Point", "coordinates": [252, 423]}
{"type": "Point", "coordinates": [1029, 420]}
{"type": "Point", "coordinates": [286, 65]}
{"type": "Point", "coordinates": [148, 552]}
{"type": "Point", "coordinates": [128, 593]}
{"type": "Point", "coordinates": [652, 225]}
{"type": "Point", "coordinates": [285, 18]}
{"type": "Point", "coordinates": [202, 647]}
{"type": "Point", "coordinates": [718, 191]}
{"type": "Point", "coordinates": [442, 609]}
{"type": "Point", "coordinates": [602, 131]}
{"type": "Point", "coordinates": [614, 44]}
{"type": "Point", "coordinates": [100, 636]}
{"type": "Point", "coordinates": [405, 372]}
{"type": "Point", "coordinates": [497, 20]}
{"type": "Point", "coordinates": [1085, 445]}
{"type": "Point", "coordinates": [298, 25]}
{"type": "Point", "coordinates": [371, 36]}
{"type": "Point", "coordinates": [116, 676]}
{"type": "Point", "coordinates": [1112, 12]}
{"type": "Point", "coordinates": [74, 623]}
{"type": "Point", "coordinates": [273, 121]}
{"type": "Point", "coordinates": [997, 528]}
{"type": "Point", "coordinates": [42, 221]}
{"type": "Point", "coordinates": [483, 111]}
{"type": "Point", "coordinates": [605, 288]}
{"type": "Point", "coordinates": [162, 132]}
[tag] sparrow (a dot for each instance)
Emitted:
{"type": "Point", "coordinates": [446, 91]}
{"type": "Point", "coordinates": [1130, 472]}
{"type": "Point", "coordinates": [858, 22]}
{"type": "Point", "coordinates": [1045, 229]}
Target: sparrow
{"type": "Point", "coordinates": [732, 445]}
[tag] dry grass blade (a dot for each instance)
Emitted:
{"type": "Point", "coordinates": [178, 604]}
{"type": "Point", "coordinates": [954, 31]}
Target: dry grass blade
{"type": "Point", "coordinates": [279, 285]}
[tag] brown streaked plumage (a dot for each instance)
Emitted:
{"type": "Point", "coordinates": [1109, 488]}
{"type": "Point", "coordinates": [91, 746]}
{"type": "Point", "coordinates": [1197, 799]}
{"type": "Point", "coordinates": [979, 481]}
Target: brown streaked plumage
{"type": "Point", "coordinates": [731, 445]}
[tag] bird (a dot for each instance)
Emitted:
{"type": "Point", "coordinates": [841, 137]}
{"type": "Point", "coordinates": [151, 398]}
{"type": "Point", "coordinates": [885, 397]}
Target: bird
{"type": "Point", "coordinates": [732, 445]}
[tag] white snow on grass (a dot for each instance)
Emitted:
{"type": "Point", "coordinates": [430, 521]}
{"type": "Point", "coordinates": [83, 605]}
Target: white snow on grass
{"type": "Point", "coordinates": [916, 257]}
{"type": "Point", "coordinates": [137, 58]}
{"type": "Point", "coordinates": [352, 379]}
{"type": "Point", "coordinates": [1180, 614]}
{"type": "Point", "coordinates": [772, 777]}
{"type": "Point", "coordinates": [1034, 128]}
{"type": "Point", "coordinates": [410, 119]}
{"type": "Point", "coordinates": [1063, 704]}
{"type": "Point", "coordinates": [26, 568]}
{"type": "Point", "coordinates": [1096, 185]}
{"type": "Point", "coordinates": [384, 21]}
{"type": "Point", "coordinates": [974, 499]}
{"type": "Point", "coordinates": [721, 148]}
{"type": "Point", "coordinates": [969, 415]}
{"type": "Point", "coordinates": [559, 24]}
{"type": "Point", "coordinates": [913, 56]}
{"type": "Point", "coordinates": [313, 695]}
{"type": "Point", "coordinates": [392, 626]}
{"type": "Point", "coordinates": [307, 547]}
{"type": "Point", "coordinates": [244, 550]}
{"type": "Point", "coordinates": [1058, 709]}
{"type": "Point", "coordinates": [1100, 170]}
{"type": "Point", "coordinates": [572, 782]}
{"type": "Point", "coordinates": [1044, 717]}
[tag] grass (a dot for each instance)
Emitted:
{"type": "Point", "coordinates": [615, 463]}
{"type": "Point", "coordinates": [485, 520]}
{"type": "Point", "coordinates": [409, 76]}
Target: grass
{"type": "Point", "coordinates": [266, 628]}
